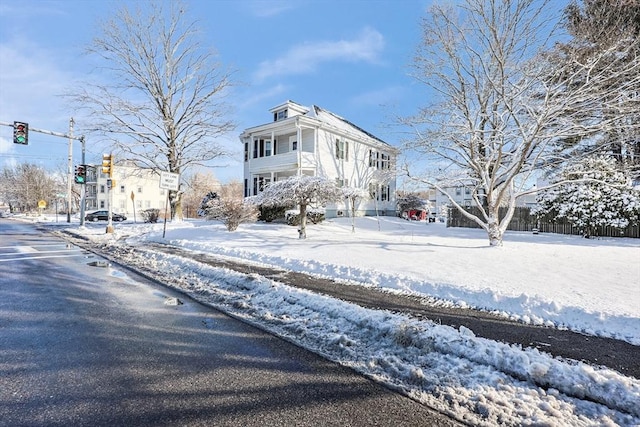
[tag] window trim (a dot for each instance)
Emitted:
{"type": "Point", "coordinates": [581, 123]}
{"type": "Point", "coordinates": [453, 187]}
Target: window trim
{"type": "Point", "coordinates": [342, 149]}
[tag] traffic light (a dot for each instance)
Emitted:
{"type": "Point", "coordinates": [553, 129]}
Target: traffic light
{"type": "Point", "coordinates": [81, 174]}
{"type": "Point", "coordinates": [20, 133]}
{"type": "Point", "coordinates": [107, 164]}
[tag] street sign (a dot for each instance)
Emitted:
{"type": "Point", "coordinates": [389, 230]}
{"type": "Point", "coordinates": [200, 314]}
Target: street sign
{"type": "Point", "coordinates": [169, 181]}
{"type": "Point", "coordinates": [42, 204]}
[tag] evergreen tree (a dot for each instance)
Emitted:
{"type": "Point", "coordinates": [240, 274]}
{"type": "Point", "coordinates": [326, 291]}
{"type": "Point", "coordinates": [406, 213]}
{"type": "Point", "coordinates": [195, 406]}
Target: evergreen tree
{"type": "Point", "coordinates": [605, 38]}
{"type": "Point", "coordinates": [598, 196]}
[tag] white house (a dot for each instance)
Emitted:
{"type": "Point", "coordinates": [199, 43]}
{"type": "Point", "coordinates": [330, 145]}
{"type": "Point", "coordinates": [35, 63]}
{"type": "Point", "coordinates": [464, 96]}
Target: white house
{"type": "Point", "coordinates": [132, 186]}
{"type": "Point", "coordinates": [313, 141]}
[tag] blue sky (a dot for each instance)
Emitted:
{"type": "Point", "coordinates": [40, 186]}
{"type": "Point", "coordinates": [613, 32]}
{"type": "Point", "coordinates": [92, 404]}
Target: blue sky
{"type": "Point", "coordinates": [350, 57]}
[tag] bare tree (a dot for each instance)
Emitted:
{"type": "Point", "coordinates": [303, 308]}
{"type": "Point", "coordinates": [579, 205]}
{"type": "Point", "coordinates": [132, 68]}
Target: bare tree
{"type": "Point", "coordinates": [24, 185]}
{"type": "Point", "coordinates": [353, 196]}
{"type": "Point", "coordinates": [230, 207]}
{"type": "Point", "coordinates": [161, 102]}
{"type": "Point", "coordinates": [499, 106]}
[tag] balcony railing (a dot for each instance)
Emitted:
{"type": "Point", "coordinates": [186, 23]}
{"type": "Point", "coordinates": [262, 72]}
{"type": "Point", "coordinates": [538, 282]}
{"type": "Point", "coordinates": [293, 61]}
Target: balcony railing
{"type": "Point", "coordinates": [284, 161]}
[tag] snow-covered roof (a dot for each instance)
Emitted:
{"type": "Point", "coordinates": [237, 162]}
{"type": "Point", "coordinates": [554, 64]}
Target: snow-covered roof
{"type": "Point", "coordinates": [332, 120]}
{"type": "Point", "coordinates": [340, 123]}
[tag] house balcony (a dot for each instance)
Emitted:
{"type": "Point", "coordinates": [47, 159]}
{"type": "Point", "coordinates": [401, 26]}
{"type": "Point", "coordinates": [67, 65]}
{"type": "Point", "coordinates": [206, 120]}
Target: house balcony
{"type": "Point", "coordinates": [291, 160]}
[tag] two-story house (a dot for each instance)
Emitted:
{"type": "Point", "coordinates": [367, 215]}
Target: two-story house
{"type": "Point", "coordinates": [312, 141]}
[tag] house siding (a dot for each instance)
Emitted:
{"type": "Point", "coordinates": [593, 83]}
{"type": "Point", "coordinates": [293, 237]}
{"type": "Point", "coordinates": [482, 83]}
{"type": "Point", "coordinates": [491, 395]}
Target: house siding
{"type": "Point", "coordinates": [315, 132]}
{"type": "Point", "coordinates": [143, 183]}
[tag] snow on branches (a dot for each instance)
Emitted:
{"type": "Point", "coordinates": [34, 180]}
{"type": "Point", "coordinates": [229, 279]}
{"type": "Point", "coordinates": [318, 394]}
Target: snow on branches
{"type": "Point", "coordinates": [300, 190]}
{"type": "Point", "coordinates": [499, 111]}
{"type": "Point", "coordinates": [353, 195]}
{"type": "Point", "coordinates": [229, 207]}
{"type": "Point", "coordinates": [595, 194]}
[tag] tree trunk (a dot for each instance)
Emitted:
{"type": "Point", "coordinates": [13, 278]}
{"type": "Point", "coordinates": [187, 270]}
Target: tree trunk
{"type": "Point", "coordinates": [175, 203]}
{"type": "Point", "coordinates": [302, 231]}
{"type": "Point", "coordinates": [353, 215]}
{"type": "Point", "coordinates": [494, 230]}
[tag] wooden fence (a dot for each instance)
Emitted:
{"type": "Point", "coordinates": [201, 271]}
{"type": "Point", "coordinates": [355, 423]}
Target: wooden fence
{"type": "Point", "coordinates": [523, 221]}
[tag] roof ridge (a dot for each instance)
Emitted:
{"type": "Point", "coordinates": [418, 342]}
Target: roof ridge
{"type": "Point", "coordinates": [369, 134]}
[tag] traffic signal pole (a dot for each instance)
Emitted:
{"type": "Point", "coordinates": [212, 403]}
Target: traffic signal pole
{"type": "Point", "coordinates": [107, 169]}
{"type": "Point", "coordinates": [83, 188]}
{"type": "Point", "coordinates": [70, 163]}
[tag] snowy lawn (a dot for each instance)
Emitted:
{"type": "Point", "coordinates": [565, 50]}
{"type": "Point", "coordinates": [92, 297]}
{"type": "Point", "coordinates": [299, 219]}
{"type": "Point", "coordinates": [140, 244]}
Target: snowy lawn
{"type": "Point", "coordinates": [584, 284]}
{"type": "Point", "coordinates": [587, 285]}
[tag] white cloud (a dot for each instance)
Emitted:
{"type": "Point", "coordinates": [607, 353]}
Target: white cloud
{"type": "Point", "coordinates": [264, 9]}
{"type": "Point", "coordinates": [252, 98]}
{"type": "Point", "coordinates": [31, 93]}
{"type": "Point", "coordinates": [306, 57]}
{"type": "Point", "coordinates": [6, 146]}
{"type": "Point", "coordinates": [32, 90]}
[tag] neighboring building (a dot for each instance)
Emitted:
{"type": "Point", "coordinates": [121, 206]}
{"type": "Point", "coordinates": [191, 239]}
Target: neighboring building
{"type": "Point", "coordinates": [463, 195]}
{"type": "Point", "coordinates": [131, 185]}
{"type": "Point", "coordinates": [315, 142]}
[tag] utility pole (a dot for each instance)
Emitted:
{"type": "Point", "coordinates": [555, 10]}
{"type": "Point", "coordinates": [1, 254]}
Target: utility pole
{"type": "Point", "coordinates": [70, 170]}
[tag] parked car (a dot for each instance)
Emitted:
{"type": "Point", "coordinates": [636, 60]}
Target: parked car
{"type": "Point", "coordinates": [103, 216]}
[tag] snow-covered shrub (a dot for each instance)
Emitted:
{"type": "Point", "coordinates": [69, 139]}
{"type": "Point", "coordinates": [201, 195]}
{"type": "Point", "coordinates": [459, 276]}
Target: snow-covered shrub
{"type": "Point", "coordinates": [292, 217]}
{"type": "Point", "coordinates": [150, 215]}
{"type": "Point", "coordinates": [202, 211]}
{"type": "Point", "coordinates": [599, 196]}
{"type": "Point", "coordinates": [230, 207]}
{"type": "Point", "coordinates": [316, 216]}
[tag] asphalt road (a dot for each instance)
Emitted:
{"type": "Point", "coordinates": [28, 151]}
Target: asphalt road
{"type": "Point", "coordinates": [91, 345]}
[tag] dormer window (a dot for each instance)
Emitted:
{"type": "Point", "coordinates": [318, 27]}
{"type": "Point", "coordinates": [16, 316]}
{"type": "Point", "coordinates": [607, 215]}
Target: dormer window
{"type": "Point", "coordinates": [280, 115]}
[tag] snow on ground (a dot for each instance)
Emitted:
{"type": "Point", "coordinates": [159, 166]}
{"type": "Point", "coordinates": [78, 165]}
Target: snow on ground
{"type": "Point", "coordinates": [589, 285]}
{"type": "Point", "coordinates": [586, 285]}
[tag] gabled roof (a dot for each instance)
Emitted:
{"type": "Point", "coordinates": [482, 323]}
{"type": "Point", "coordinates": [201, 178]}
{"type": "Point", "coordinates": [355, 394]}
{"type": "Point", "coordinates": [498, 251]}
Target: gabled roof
{"type": "Point", "coordinates": [323, 116]}
{"type": "Point", "coordinates": [339, 122]}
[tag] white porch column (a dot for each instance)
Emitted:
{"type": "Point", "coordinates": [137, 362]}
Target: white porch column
{"type": "Point", "coordinates": [273, 143]}
{"type": "Point", "coordinates": [299, 137]}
